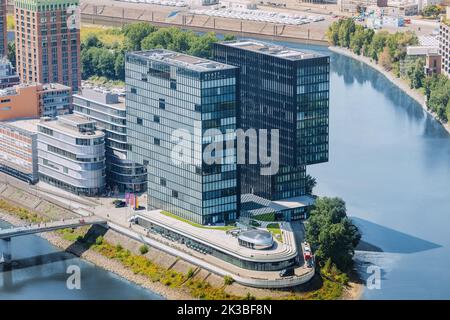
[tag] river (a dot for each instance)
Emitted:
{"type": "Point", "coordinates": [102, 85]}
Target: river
{"type": "Point", "coordinates": [40, 272]}
{"type": "Point", "coordinates": [389, 161]}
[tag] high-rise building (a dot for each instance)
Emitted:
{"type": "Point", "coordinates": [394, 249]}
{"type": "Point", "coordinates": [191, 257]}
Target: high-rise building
{"type": "Point", "coordinates": [3, 29]}
{"type": "Point", "coordinates": [71, 154]}
{"type": "Point", "coordinates": [108, 110]}
{"type": "Point", "coordinates": [48, 41]}
{"type": "Point", "coordinates": [172, 99]}
{"type": "Point", "coordinates": [288, 90]}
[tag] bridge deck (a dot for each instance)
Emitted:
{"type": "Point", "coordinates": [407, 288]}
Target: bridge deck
{"type": "Point", "coordinates": [49, 226]}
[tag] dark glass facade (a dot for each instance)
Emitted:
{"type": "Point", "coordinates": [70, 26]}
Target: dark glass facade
{"type": "Point", "coordinates": [168, 92]}
{"type": "Point", "coordinates": [287, 90]}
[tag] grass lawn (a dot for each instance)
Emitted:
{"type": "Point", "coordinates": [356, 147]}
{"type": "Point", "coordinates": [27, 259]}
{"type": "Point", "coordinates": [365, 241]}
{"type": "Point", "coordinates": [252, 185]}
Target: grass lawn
{"type": "Point", "coordinates": [223, 228]}
{"type": "Point", "coordinates": [109, 36]}
{"type": "Point", "coordinates": [268, 217]}
{"type": "Point", "coordinates": [274, 229]}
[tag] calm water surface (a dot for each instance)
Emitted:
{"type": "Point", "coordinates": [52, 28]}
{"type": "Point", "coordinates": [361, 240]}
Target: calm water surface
{"type": "Point", "coordinates": [390, 162]}
{"type": "Point", "coordinates": [40, 273]}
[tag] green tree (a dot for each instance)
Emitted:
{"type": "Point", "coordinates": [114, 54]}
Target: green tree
{"type": "Point", "coordinates": [358, 39]}
{"type": "Point", "coordinates": [432, 11]}
{"type": "Point", "coordinates": [310, 183]}
{"type": "Point", "coordinates": [333, 34]}
{"type": "Point", "coordinates": [161, 38]}
{"type": "Point", "coordinates": [12, 52]}
{"type": "Point", "coordinates": [202, 46]}
{"type": "Point", "coordinates": [416, 74]}
{"type": "Point", "coordinates": [377, 44]}
{"type": "Point", "coordinates": [87, 67]}
{"type": "Point", "coordinates": [346, 29]}
{"type": "Point", "coordinates": [91, 41]}
{"type": "Point", "coordinates": [438, 101]}
{"type": "Point", "coordinates": [143, 249]}
{"type": "Point", "coordinates": [106, 64]}
{"type": "Point", "coordinates": [119, 66]}
{"type": "Point", "coordinates": [135, 33]}
{"type": "Point", "coordinates": [331, 233]}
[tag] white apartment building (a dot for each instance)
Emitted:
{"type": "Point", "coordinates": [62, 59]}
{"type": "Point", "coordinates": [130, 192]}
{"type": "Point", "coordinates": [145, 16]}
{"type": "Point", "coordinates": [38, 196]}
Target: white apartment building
{"type": "Point", "coordinates": [71, 154]}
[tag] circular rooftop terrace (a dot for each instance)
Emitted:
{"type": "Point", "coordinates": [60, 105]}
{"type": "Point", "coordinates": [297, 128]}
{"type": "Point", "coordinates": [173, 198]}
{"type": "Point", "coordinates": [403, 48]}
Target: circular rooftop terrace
{"type": "Point", "coordinates": [256, 239]}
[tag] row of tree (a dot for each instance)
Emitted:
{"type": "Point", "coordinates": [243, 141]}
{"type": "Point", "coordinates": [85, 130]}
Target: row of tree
{"type": "Point", "coordinates": [100, 59]}
{"type": "Point", "coordinates": [389, 50]}
{"type": "Point", "coordinates": [363, 41]}
{"type": "Point", "coordinates": [437, 91]}
{"type": "Point", "coordinates": [432, 11]}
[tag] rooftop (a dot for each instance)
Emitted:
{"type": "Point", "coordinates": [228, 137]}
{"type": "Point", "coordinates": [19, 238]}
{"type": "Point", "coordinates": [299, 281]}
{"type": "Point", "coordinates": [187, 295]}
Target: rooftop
{"type": "Point", "coordinates": [256, 205]}
{"type": "Point", "coordinates": [69, 124]}
{"type": "Point", "coordinates": [183, 60]}
{"type": "Point", "coordinates": [54, 87]}
{"type": "Point", "coordinates": [271, 49]}
{"type": "Point", "coordinates": [45, 87]}
{"type": "Point", "coordinates": [226, 241]}
{"type": "Point", "coordinates": [421, 50]}
{"type": "Point", "coordinates": [102, 96]}
{"type": "Point", "coordinates": [29, 125]}
{"type": "Point", "coordinates": [428, 41]}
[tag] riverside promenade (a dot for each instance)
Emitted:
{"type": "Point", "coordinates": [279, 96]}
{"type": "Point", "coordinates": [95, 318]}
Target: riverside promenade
{"type": "Point", "coordinates": [117, 220]}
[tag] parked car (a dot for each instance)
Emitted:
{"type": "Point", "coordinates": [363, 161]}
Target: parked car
{"type": "Point", "coordinates": [120, 204]}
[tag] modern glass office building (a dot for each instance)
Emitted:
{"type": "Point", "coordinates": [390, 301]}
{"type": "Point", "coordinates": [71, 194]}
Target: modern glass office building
{"type": "Point", "coordinates": [172, 101]}
{"type": "Point", "coordinates": [288, 90]}
{"type": "Point", "coordinates": [108, 110]}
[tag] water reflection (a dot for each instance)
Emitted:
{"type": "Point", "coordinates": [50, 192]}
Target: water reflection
{"type": "Point", "coordinates": [392, 241]}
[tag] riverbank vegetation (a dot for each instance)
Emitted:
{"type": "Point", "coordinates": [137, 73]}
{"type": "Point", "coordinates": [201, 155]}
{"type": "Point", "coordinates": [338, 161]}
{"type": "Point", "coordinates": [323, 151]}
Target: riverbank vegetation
{"type": "Point", "coordinates": [333, 238]}
{"type": "Point", "coordinates": [21, 213]}
{"type": "Point", "coordinates": [389, 51]}
{"type": "Point", "coordinates": [324, 286]}
{"type": "Point", "coordinates": [103, 49]}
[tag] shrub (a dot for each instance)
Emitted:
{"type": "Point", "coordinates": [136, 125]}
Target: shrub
{"type": "Point", "coordinates": [228, 280]}
{"type": "Point", "coordinates": [119, 247]}
{"type": "Point", "coordinates": [143, 249]}
{"type": "Point", "coordinates": [99, 240]}
{"type": "Point", "coordinates": [190, 273]}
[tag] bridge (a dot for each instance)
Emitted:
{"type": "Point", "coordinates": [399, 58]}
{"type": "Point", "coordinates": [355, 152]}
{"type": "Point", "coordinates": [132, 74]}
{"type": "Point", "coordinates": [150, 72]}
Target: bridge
{"type": "Point", "coordinates": [7, 234]}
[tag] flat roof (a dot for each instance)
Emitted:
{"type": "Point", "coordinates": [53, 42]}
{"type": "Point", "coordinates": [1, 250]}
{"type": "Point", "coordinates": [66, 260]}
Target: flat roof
{"type": "Point", "coordinates": [271, 49]}
{"type": "Point", "coordinates": [257, 205]}
{"type": "Point", "coordinates": [182, 60]}
{"type": "Point", "coordinates": [102, 96]}
{"type": "Point", "coordinates": [68, 124]}
{"type": "Point", "coordinates": [421, 50]}
{"type": "Point", "coordinates": [54, 86]}
{"type": "Point", "coordinates": [225, 241]}
{"type": "Point", "coordinates": [29, 125]}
